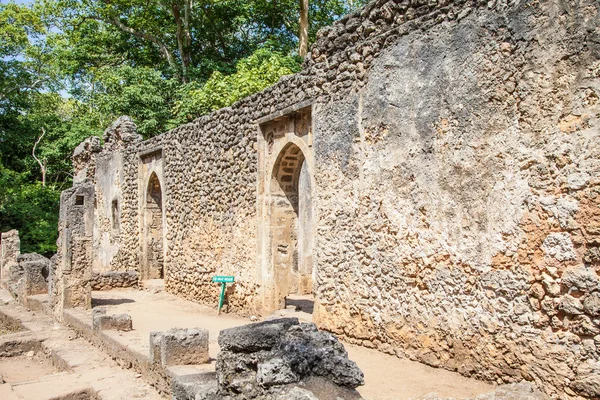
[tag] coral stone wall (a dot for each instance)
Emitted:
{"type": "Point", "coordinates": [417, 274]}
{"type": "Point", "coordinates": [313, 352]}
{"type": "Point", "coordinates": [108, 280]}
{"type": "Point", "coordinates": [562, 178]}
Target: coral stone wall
{"type": "Point", "coordinates": [455, 210]}
{"type": "Point", "coordinates": [114, 279]}
{"type": "Point", "coordinates": [459, 205]}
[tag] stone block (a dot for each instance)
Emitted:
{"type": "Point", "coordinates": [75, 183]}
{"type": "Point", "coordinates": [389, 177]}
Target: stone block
{"type": "Point", "coordinates": [582, 278]}
{"type": "Point", "coordinates": [117, 322]}
{"type": "Point", "coordinates": [36, 274]}
{"type": "Point", "coordinates": [254, 337]}
{"type": "Point", "coordinates": [155, 345]}
{"type": "Point", "coordinates": [591, 304]}
{"type": "Point", "coordinates": [181, 346]}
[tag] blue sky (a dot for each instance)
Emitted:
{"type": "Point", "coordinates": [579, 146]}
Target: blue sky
{"type": "Point", "coordinates": [15, 1]}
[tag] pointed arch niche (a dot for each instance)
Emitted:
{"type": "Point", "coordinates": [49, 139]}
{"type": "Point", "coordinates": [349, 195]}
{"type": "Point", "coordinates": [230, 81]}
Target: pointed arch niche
{"type": "Point", "coordinates": [153, 230]}
{"type": "Point", "coordinates": [286, 192]}
{"type": "Point", "coordinates": [152, 221]}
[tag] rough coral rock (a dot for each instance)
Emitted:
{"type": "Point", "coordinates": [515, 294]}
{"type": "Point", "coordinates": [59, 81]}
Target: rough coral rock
{"type": "Point", "coordinates": [122, 130]}
{"type": "Point", "coordinates": [290, 353]}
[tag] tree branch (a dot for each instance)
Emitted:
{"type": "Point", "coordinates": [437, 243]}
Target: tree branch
{"type": "Point", "coordinates": [143, 35]}
{"type": "Point", "coordinates": [42, 164]}
{"type": "Point", "coordinates": [116, 22]}
{"type": "Point", "coordinates": [28, 87]}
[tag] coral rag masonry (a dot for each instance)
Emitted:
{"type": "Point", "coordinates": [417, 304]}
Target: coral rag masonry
{"type": "Point", "coordinates": [431, 177]}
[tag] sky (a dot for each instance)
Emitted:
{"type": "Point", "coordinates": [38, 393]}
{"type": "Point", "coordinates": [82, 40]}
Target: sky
{"type": "Point", "coordinates": [15, 1]}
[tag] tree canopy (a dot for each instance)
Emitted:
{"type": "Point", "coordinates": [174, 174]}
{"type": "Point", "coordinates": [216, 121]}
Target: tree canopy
{"type": "Point", "coordinates": [68, 68]}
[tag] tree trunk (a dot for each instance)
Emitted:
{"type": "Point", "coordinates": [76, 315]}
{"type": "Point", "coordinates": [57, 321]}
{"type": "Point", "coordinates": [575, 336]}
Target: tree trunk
{"type": "Point", "coordinates": [41, 163]}
{"type": "Point", "coordinates": [183, 36]}
{"type": "Point", "coordinates": [303, 50]}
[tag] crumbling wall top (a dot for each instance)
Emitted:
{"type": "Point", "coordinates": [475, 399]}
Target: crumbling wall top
{"type": "Point", "coordinates": [121, 133]}
{"type": "Point", "coordinates": [83, 158]}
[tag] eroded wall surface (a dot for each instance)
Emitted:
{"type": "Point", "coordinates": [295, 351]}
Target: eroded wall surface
{"type": "Point", "coordinates": [459, 204]}
{"type": "Point", "coordinates": [72, 267]}
{"type": "Point", "coordinates": [10, 249]}
{"type": "Point", "coordinates": [454, 189]}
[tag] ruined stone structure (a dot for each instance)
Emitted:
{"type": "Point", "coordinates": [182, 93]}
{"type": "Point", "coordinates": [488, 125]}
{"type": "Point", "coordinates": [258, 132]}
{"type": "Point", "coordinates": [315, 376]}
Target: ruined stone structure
{"type": "Point", "coordinates": [10, 248]}
{"type": "Point", "coordinates": [279, 359]}
{"type": "Point", "coordinates": [28, 276]}
{"type": "Point", "coordinates": [72, 269]}
{"type": "Point", "coordinates": [431, 176]}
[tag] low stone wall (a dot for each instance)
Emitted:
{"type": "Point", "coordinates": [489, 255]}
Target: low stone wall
{"type": "Point", "coordinates": [28, 276]}
{"type": "Point", "coordinates": [114, 279]}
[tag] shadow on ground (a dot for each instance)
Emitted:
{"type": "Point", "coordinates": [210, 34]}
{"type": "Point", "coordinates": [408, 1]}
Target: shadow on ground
{"type": "Point", "coordinates": [110, 302]}
{"type": "Point", "coordinates": [304, 305]}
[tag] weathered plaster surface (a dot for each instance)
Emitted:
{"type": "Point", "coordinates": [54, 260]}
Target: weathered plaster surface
{"type": "Point", "coordinates": [107, 240]}
{"type": "Point", "coordinates": [453, 202]}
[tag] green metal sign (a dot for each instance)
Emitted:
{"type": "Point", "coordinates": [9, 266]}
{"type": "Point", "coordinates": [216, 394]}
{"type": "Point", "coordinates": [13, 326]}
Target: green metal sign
{"type": "Point", "coordinates": [223, 280]}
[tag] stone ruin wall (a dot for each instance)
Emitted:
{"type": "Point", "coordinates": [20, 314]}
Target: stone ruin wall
{"type": "Point", "coordinates": [10, 249]}
{"type": "Point", "coordinates": [71, 268]}
{"type": "Point", "coordinates": [456, 208]}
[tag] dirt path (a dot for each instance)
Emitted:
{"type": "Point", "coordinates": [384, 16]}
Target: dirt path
{"type": "Point", "coordinates": [391, 378]}
{"type": "Point", "coordinates": [386, 377]}
{"type": "Point", "coordinates": [63, 366]}
{"type": "Point", "coordinates": [161, 312]}
{"type": "Point", "coordinates": [25, 368]}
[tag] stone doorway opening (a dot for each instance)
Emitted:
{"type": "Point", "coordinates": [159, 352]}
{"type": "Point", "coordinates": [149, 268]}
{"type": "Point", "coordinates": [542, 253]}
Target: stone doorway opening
{"type": "Point", "coordinates": [291, 229]}
{"type": "Point", "coordinates": [152, 246]}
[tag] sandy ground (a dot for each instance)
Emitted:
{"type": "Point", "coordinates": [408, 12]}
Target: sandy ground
{"type": "Point", "coordinates": [386, 377]}
{"type": "Point", "coordinates": [23, 368]}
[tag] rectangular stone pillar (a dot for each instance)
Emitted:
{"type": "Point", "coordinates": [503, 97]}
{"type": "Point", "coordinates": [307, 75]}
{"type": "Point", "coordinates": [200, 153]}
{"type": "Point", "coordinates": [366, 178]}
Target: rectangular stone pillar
{"type": "Point", "coordinates": [73, 267]}
{"type": "Point", "coordinates": [10, 249]}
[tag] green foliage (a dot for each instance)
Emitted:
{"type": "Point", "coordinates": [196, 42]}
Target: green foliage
{"type": "Point", "coordinates": [253, 74]}
{"type": "Point", "coordinates": [142, 93]}
{"type": "Point", "coordinates": [32, 209]}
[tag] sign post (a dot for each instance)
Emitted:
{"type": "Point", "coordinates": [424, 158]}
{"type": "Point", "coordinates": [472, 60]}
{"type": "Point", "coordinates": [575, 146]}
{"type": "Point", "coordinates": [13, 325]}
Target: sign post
{"type": "Point", "coordinates": [223, 280]}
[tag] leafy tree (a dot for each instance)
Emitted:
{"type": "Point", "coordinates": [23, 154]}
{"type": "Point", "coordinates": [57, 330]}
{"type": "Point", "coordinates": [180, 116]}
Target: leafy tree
{"type": "Point", "coordinates": [32, 209]}
{"type": "Point", "coordinates": [142, 93]}
{"type": "Point", "coordinates": [253, 74]}
{"type": "Point", "coordinates": [184, 33]}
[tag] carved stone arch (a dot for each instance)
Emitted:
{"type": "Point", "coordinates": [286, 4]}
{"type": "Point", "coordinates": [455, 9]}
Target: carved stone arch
{"type": "Point", "coordinates": [152, 228]}
{"type": "Point", "coordinates": [290, 223]}
{"type": "Point", "coordinates": [285, 189]}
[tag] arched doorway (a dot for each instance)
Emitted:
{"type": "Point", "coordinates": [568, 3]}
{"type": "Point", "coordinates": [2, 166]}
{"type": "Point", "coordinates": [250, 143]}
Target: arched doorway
{"type": "Point", "coordinates": [152, 247]}
{"type": "Point", "coordinates": [291, 224]}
